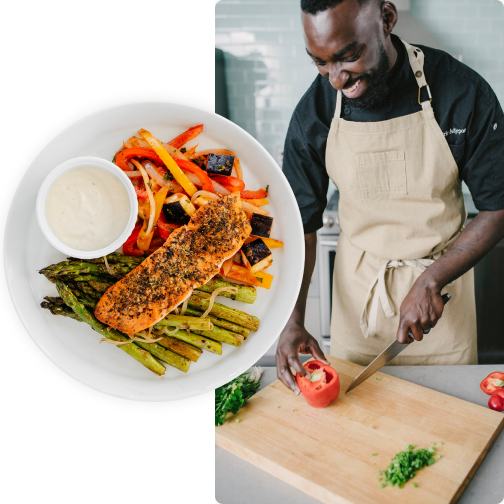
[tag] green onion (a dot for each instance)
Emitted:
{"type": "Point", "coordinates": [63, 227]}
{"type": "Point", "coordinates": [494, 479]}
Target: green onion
{"type": "Point", "coordinates": [379, 379]}
{"type": "Point", "coordinates": [440, 443]}
{"type": "Point", "coordinates": [294, 410]}
{"type": "Point", "coordinates": [373, 455]}
{"type": "Point", "coordinates": [237, 420]}
{"type": "Point", "coordinates": [415, 485]}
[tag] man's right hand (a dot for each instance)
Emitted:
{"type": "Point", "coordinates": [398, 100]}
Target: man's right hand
{"type": "Point", "coordinates": [295, 339]}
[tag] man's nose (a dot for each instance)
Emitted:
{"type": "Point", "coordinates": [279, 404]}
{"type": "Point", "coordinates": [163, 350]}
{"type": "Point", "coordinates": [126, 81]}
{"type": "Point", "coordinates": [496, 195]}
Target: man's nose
{"type": "Point", "coordinates": [337, 77]}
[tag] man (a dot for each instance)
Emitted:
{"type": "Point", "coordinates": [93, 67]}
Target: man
{"type": "Point", "coordinates": [397, 128]}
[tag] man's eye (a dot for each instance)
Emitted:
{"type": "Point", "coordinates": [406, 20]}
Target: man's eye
{"type": "Point", "coordinates": [353, 58]}
{"type": "Point", "coordinates": [319, 63]}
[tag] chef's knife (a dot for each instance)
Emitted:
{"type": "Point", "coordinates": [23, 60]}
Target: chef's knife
{"type": "Point", "coordinates": [386, 356]}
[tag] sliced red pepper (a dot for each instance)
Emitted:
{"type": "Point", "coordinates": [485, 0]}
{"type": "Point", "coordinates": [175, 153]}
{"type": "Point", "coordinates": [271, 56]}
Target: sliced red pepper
{"type": "Point", "coordinates": [323, 391]}
{"type": "Point", "coordinates": [136, 152]}
{"type": "Point", "coordinates": [232, 184]}
{"type": "Point", "coordinates": [165, 228]}
{"type": "Point", "coordinates": [242, 274]}
{"type": "Point", "coordinates": [130, 247]}
{"type": "Point", "coordinates": [493, 382]}
{"type": "Point", "coordinates": [155, 244]}
{"type": "Point", "coordinates": [202, 175]}
{"type": "Point", "coordinates": [187, 136]}
{"type": "Point", "coordinates": [261, 193]}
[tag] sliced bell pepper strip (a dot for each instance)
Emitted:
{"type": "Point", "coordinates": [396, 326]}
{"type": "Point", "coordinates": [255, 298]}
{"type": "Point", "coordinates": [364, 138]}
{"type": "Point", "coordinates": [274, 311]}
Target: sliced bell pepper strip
{"type": "Point", "coordinates": [130, 246]}
{"type": "Point", "coordinates": [202, 175]}
{"type": "Point", "coordinates": [187, 136]}
{"type": "Point", "coordinates": [258, 202]}
{"type": "Point", "coordinates": [136, 152]}
{"type": "Point", "coordinates": [232, 184]}
{"type": "Point", "coordinates": [242, 274]}
{"type": "Point", "coordinates": [144, 239]}
{"type": "Point", "coordinates": [165, 228]}
{"type": "Point", "coordinates": [269, 242]}
{"type": "Point", "coordinates": [169, 162]}
{"type": "Point", "coordinates": [322, 387]}
{"type": "Point", "coordinates": [264, 279]}
{"type": "Point", "coordinates": [155, 244]}
{"type": "Point", "coordinates": [261, 193]}
{"type": "Point", "coordinates": [493, 382]}
{"type": "Point", "coordinates": [226, 266]}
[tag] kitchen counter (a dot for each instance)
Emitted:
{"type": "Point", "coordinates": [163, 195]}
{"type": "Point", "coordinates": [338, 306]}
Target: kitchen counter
{"type": "Point", "coordinates": [238, 482]}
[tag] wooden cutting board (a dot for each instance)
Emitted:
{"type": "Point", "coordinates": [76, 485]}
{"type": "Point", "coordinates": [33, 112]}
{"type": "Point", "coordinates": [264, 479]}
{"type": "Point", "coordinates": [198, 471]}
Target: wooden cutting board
{"type": "Point", "coordinates": [328, 452]}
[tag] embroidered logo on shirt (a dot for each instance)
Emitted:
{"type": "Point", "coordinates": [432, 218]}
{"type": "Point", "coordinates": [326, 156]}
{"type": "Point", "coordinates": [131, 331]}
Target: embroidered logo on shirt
{"type": "Point", "coordinates": [455, 131]}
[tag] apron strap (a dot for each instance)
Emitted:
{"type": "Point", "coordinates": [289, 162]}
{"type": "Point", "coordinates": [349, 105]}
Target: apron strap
{"type": "Point", "coordinates": [339, 100]}
{"type": "Point", "coordinates": [416, 59]}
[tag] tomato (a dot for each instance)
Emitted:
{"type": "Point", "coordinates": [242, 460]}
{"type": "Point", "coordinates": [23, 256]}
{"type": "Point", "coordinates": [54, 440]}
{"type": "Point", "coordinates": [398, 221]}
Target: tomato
{"type": "Point", "coordinates": [493, 382]}
{"type": "Point", "coordinates": [324, 390]}
{"type": "Point", "coordinates": [496, 402]}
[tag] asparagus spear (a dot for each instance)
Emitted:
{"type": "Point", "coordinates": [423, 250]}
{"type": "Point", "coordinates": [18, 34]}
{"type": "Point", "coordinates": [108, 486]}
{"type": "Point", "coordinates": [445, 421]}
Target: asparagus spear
{"type": "Point", "coordinates": [222, 335]}
{"type": "Point", "coordinates": [198, 341]}
{"type": "Point", "coordinates": [222, 311]}
{"type": "Point", "coordinates": [191, 322]}
{"type": "Point", "coordinates": [225, 324]}
{"type": "Point", "coordinates": [84, 298]}
{"type": "Point", "coordinates": [87, 289]}
{"type": "Point", "coordinates": [175, 345]}
{"type": "Point", "coordinates": [100, 286]}
{"type": "Point", "coordinates": [185, 352]}
{"type": "Point", "coordinates": [245, 294]}
{"type": "Point", "coordinates": [76, 268]}
{"type": "Point", "coordinates": [113, 259]}
{"type": "Point", "coordinates": [131, 349]}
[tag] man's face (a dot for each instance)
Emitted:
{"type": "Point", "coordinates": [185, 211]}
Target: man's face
{"type": "Point", "coordinates": [347, 45]}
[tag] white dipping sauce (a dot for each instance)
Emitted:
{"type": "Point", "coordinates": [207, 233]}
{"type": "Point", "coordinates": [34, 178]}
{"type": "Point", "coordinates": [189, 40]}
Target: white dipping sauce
{"type": "Point", "coordinates": [88, 208]}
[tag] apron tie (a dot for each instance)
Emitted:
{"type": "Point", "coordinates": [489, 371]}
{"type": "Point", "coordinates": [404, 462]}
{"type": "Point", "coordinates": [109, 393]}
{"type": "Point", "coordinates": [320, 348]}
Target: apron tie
{"type": "Point", "coordinates": [378, 292]}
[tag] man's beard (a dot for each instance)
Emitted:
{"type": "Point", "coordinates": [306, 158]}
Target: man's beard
{"type": "Point", "coordinates": [377, 86]}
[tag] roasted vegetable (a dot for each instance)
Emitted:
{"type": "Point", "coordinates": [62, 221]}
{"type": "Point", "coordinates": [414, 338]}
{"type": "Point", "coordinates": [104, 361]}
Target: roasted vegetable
{"type": "Point", "coordinates": [261, 225]}
{"type": "Point", "coordinates": [220, 165]}
{"type": "Point", "coordinates": [174, 212]}
{"type": "Point", "coordinates": [258, 255]}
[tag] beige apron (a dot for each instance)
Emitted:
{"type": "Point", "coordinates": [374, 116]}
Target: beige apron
{"type": "Point", "coordinates": [400, 208]}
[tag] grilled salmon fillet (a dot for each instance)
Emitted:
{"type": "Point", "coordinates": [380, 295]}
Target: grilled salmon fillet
{"type": "Point", "coordinates": [190, 257]}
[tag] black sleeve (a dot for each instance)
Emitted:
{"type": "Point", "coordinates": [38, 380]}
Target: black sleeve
{"type": "Point", "coordinates": [483, 168]}
{"type": "Point", "coordinates": [304, 167]}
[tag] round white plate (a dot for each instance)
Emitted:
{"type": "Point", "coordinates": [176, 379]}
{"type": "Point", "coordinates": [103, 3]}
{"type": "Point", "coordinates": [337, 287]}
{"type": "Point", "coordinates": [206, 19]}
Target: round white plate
{"type": "Point", "coordinates": [73, 346]}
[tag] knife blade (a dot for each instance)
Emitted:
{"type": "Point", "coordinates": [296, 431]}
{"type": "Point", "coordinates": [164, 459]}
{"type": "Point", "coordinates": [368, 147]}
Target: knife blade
{"type": "Point", "coordinates": [386, 356]}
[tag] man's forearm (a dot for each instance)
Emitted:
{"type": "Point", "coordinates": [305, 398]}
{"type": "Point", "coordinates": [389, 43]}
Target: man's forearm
{"type": "Point", "coordinates": [298, 314]}
{"type": "Point", "coordinates": [478, 238]}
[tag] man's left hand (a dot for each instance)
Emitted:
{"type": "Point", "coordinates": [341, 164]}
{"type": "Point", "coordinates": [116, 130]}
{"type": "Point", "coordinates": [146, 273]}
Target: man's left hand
{"type": "Point", "coordinates": [421, 310]}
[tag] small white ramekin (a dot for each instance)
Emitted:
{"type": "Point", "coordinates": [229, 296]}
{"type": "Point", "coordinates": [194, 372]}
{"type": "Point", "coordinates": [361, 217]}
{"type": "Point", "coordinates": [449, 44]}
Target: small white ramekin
{"type": "Point", "coordinates": [55, 174]}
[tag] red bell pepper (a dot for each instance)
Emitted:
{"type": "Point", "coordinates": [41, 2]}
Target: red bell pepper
{"type": "Point", "coordinates": [187, 136]}
{"type": "Point", "coordinates": [321, 387]}
{"type": "Point", "coordinates": [261, 193]}
{"type": "Point", "coordinates": [136, 152]}
{"type": "Point", "coordinates": [232, 184]}
{"type": "Point", "coordinates": [202, 175]}
{"type": "Point", "coordinates": [130, 247]}
{"type": "Point", "coordinates": [165, 228]}
{"type": "Point", "coordinates": [493, 382]}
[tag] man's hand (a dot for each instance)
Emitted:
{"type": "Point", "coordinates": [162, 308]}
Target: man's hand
{"type": "Point", "coordinates": [295, 339]}
{"type": "Point", "coordinates": [423, 306]}
{"type": "Point", "coordinates": [420, 310]}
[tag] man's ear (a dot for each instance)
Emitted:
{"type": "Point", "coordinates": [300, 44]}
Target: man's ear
{"type": "Point", "coordinates": [389, 17]}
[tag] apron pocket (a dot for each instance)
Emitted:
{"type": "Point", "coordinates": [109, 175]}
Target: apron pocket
{"type": "Point", "coordinates": [381, 173]}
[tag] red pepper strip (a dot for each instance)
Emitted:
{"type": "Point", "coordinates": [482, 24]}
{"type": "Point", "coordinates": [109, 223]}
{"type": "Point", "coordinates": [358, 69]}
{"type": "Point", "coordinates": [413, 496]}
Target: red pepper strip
{"type": "Point", "coordinates": [130, 247]}
{"type": "Point", "coordinates": [165, 228]}
{"type": "Point", "coordinates": [241, 274]}
{"type": "Point", "coordinates": [323, 391]}
{"type": "Point", "coordinates": [261, 193]}
{"type": "Point", "coordinates": [232, 184]}
{"type": "Point", "coordinates": [187, 136]}
{"type": "Point", "coordinates": [155, 244]}
{"type": "Point", "coordinates": [202, 175]}
{"type": "Point", "coordinates": [493, 382]}
{"type": "Point", "coordinates": [138, 152]}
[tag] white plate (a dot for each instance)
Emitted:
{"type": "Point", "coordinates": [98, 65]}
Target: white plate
{"type": "Point", "coordinates": [73, 346]}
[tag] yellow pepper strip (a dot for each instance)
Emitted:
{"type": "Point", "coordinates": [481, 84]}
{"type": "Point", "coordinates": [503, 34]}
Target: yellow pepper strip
{"type": "Point", "coordinates": [144, 239]}
{"type": "Point", "coordinates": [271, 243]}
{"type": "Point", "coordinates": [258, 202]}
{"type": "Point", "coordinates": [264, 279]}
{"type": "Point", "coordinates": [172, 166]}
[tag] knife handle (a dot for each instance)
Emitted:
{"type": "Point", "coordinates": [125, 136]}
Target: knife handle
{"type": "Point", "coordinates": [446, 297]}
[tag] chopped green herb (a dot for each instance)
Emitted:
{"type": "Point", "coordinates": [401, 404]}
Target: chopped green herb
{"type": "Point", "coordinates": [183, 150]}
{"type": "Point", "coordinates": [406, 463]}
{"type": "Point", "coordinates": [379, 479]}
{"type": "Point", "coordinates": [167, 176]}
{"type": "Point", "coordinates": [383, 485]}
{"type": "Point", "coordinates": [373, 455]}
{"type": "Point", "coordinates": [415, 485]}
{"type": "Point", "coordinates": [295, 410]}
{"type": "Point", "coordinates": [279, 406]}
{"type": "Point", "coordinates": [439, 456]}
{"type": "Point", "coordinates": [379, 379]}
{"type": "Point", "coordinates": [237, 420]}
{"type": "Point", "coordinates": [267, 188]}
{"type": "Point", "coordinates": [433, 444]}
{"type": "Point", "coordinates": [440, 443]}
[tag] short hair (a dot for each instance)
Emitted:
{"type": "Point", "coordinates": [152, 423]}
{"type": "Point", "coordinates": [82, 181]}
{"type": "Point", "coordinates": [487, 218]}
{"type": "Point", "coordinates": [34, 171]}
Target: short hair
{"type": "Point", "coordinates": [314, 6]}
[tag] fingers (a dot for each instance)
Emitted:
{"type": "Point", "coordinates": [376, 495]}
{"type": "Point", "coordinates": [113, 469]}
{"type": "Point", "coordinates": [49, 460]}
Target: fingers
{"type": "Point", "coordinates": [317, 352]}
{"type": "Point", "coordinates": [402, 333]}
{"type": "Point", "coordinates": [286, 377]}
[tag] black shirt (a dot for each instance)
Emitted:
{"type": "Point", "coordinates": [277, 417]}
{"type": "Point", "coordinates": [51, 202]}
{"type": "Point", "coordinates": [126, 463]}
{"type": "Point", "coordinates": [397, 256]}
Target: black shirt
{"type": "Point", "coordinates": [465, 107]}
